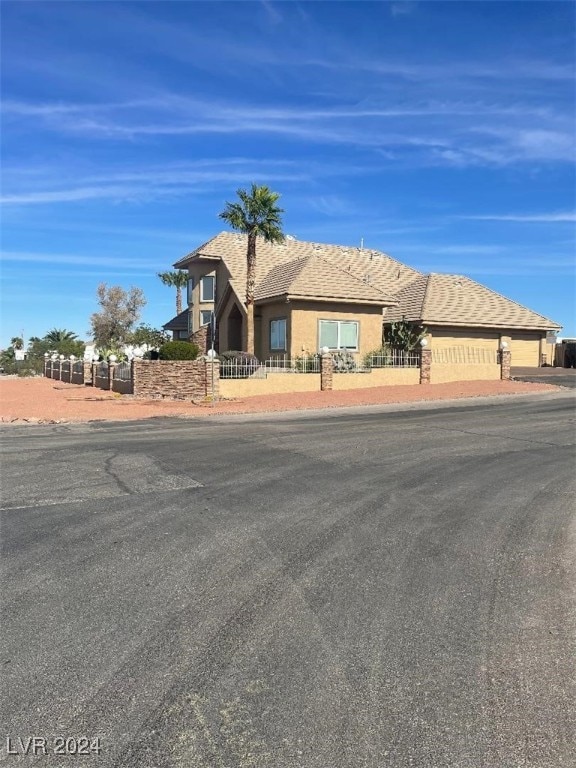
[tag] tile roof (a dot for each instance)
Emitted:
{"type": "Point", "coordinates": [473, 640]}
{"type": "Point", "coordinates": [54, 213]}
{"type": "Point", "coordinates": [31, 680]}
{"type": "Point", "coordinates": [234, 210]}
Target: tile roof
{"type": "Point", "coordinates": [367, 266]}
{"type": "Point", "coordinates": [458, 300]}
{"type": "Point", "coordinates": [315, 277]}
{"type": "Point", "coordinates": [178, 323]}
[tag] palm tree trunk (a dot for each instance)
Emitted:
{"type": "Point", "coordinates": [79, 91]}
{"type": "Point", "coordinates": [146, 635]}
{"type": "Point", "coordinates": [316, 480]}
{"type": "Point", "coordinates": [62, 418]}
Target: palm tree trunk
{"type": "Point", "coordinates": [178, 299]}
{"type": "Point", "coordinates": [250, 284]}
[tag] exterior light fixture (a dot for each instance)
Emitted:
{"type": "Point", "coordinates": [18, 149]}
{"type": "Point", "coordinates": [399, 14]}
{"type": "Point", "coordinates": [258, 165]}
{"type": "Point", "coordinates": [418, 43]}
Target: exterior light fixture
{"type": "Point", "coordinates": [112, 358]}
{"type": "Point", "coordinates": [62, 357]}
{"type": "Point", "coordinates": [503, 345]}
{"type": "Point", "coordinates": [423, 342]}
{"type": "Point", "coordinates": [325, 350]}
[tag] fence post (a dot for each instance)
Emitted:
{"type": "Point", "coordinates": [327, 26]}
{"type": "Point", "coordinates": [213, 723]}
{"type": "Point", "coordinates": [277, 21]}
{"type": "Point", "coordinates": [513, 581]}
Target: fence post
{"type": "Point", "coordinates": [87, 376]}
{"type": "Point", "coordinates": [425, 365]}
{"type": "Point", "coordinates": [505, 362]}
{"type": "Point", "coordinates": [326, 372]}
{"type": "Point", "coordinates": [111, 368]}
{"type": "Point", "coordinates": [211, 376]}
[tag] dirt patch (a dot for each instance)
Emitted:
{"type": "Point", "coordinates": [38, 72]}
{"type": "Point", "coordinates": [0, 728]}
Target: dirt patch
{"type": "Point", "coordinates": [41, 400]}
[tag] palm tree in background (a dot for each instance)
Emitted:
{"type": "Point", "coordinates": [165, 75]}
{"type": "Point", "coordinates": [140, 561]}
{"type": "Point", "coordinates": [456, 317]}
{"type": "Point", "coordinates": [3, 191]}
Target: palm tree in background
{"type": "Point", "coordinates": [256, 215]}
{"type": "Point", "coordinates": [58, 335]}
{"type": "Point", "coordinates": [17, 342]}
{"type": "Point", "coordinates": [178, 280]}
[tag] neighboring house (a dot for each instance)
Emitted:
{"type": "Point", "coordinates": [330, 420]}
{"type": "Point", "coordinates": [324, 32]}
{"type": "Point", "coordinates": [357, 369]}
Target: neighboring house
{"type": "Point", "coordinates": [458, 311]}
{"type": "Point", "coordinates": [179, 326]}
{"type": "Point", "coordinates": [312, 295]}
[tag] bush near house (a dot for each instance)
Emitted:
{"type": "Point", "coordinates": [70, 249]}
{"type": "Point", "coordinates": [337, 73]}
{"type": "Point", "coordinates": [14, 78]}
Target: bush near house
{"type": "Point", "coordinates": [178, 350]}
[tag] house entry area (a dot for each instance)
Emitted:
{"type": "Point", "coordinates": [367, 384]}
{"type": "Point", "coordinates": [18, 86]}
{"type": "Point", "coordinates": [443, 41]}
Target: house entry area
{"type": "Point", "coordinates": [234, 332]}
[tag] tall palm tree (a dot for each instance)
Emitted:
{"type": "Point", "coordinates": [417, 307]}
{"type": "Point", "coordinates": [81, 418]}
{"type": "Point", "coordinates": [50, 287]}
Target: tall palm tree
{"type": "Point", "coordinates": [58, 335]}
{"type": "Point", "coordinates": [256, 215]}
{"type": "Point", "coordinates": [17, 342]}
{"type": "Point", "coordinates": [178, 280]}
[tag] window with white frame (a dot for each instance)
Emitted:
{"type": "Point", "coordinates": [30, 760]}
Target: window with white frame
{"type": "Point", "coordinates": [205, 315]}
{"type": "Point", "coordinates": [338, 334]}
{"type": "Point", "coordinates": [190, 326]}
{"type": "Point", "coordinates": [207, 288]}
{"type": "Point", "coordinates": [278, 334]}
{"type": "Point", "coordinates": [183, 334]}
{"type": "Point", "coordinates": [190, 294]}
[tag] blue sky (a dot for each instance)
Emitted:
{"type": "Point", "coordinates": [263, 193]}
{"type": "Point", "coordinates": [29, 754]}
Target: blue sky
{"type": "Point", "coordinates": [442, 133]}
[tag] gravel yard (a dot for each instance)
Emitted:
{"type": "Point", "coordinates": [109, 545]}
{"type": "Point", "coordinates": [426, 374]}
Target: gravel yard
{"type": "Point", "coordinates": [41, 400]}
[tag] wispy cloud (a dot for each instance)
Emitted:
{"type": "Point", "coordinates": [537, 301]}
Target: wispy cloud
{"type": "Point", "coordinates": [552, 218]}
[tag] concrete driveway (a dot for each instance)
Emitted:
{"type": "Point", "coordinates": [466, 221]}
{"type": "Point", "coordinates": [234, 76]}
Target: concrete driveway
{"type": "Point", "coordinates": [561, 377]}
{"type": "Point", "coordinates": [379, 588]}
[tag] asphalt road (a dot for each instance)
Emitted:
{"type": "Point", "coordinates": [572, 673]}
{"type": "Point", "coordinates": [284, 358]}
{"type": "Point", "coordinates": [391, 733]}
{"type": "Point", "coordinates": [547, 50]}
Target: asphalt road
{"type": "Point", "coordinates": [381, 588]}
{"type": "Point", "coordinates": [560, 377]}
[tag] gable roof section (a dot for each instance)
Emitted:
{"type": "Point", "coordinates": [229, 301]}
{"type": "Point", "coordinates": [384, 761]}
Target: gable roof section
{"type": "Point", "coordinates": [314, 277]}
{"type": "Point", "coordinates": [438, 299]}
{"type": "Point", "coordinates": [368, 267]}
{"type": "Point", "coordinates": [178, 323]}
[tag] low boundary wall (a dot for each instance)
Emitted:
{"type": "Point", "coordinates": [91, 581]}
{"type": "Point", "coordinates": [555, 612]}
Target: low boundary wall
{"type": "Point", "coordinates": [442, 373]}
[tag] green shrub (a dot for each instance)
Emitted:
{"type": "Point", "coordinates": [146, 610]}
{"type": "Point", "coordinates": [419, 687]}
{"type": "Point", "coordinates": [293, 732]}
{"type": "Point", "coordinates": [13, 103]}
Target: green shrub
{"type": "Point", "coordinates": [179, 350]}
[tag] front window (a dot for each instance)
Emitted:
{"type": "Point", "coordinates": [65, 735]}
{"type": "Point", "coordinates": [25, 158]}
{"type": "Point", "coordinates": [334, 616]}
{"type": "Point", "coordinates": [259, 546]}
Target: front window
{"type": "Point", "coordinates": [190, 291]}
{"type": "Point", "coordinates": [183, 334]}
{"type": "Point", "coordinates": [278, 334]}
{"type": "Point", "coordinates": [205, 316]}
{"type": "Point", "coordinates": [207, 286]}
{"type": "Point", "coordinates": [190, 328]}
{"type": "Point", "coordinates": [339, 334]}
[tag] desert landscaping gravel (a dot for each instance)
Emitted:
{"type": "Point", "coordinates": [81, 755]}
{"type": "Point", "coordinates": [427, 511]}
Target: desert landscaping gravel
{"type": "Point", "coordinates": [41, 400]}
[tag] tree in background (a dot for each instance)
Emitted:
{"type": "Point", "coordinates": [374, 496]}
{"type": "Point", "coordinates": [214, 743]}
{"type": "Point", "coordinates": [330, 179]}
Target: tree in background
{"type": "Point", "coordinates": [17, 342]}
{"type": "Point", "coordinates": [256, 215]}
{"type": "Point", "coordinates": [145, 335]}
{"type": "Point", "coordinates": [59, 335]}
{"type": "Point", "coordinates": [119, 312]}
{"type": "Point", "coordinates": [178, 280]}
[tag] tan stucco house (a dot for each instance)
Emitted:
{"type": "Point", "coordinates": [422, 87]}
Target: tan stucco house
{"type": "Point", "coordinates": [313, 295]}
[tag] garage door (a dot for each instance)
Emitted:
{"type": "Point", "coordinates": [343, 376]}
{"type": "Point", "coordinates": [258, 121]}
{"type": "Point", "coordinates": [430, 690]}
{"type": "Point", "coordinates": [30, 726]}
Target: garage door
{"type": "Point", "coordinates": [525, 349]}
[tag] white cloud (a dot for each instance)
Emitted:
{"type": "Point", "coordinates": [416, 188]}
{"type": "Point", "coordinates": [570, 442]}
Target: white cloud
{"type": "Point", "coordinates": [552, 218]}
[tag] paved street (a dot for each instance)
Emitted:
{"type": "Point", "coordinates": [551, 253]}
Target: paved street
{"type": "Point", "coordinates": [385, 587]}
{"type": "Point", "coordinates": [561, 377]}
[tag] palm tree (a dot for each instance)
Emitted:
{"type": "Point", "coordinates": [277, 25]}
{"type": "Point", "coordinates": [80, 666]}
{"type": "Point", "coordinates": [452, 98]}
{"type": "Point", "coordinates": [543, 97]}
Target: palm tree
{"type": "Point", "coordinates": [178, 280]}
{"type": "Point", "coordinates": [17, 342]}
{"type": "Point", "coordinates": [256, 215]}
{"type": "Point", "coordinates": [58, 335]}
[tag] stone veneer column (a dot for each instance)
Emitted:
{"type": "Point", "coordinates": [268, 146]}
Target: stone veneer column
{"type": "Point", "coordinates": [88, 373]}
{"type": "Point", "coordinates": [505, 362]}
{"type": "Point", "coordinates": [210, 366]}
{"type": "Point", "coordinates": [111, 368]}
{"type": "Point", "coordinates": [326, 373]}
{"type": "Point", "coordinates": [425, 365]}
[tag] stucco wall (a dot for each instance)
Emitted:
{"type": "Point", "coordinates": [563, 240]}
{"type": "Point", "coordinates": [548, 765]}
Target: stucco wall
{"type": "Point", "coordinates": [305, 317]}
{"type": "Point", "coordinates": [274, 384]}
{"type": "Point", "coordinates": [444, 372]}
{"type": "Point", "coordinates": [378, 377]}
{"type": "Point", "coordinates": [274, 311]}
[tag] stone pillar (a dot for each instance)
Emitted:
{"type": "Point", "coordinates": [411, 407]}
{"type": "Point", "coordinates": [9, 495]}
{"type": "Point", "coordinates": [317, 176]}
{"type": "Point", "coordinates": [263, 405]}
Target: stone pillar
{"type": "Point", "coordinates": [505, 362]}
{"type": "Point", "coordinates": [88, 373]}
{"type": "Point", "coordinates": [211, 368]}
{"type": "Point", "coordinates": [326, 372]}
{"type": "Point", "coordinates": [425, 365]}
{"type": "Point", "coordinates": [201, 337]}
{"type": "Point", "coordinates": [111, 368]}
{"type": "Point", "coordinates": [94, 367]}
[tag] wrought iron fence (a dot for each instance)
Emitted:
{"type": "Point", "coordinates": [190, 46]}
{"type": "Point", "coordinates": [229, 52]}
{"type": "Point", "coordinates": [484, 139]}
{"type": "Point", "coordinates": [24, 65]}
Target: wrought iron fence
{"type": "Point", "coordinates": [78, 366]}
{"type": "Point", "coordinates": [394, 358]}
{"type": "Point", "coordinates": [123, 372]}
{"type": "Point", "coordinates": [465, 355]}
